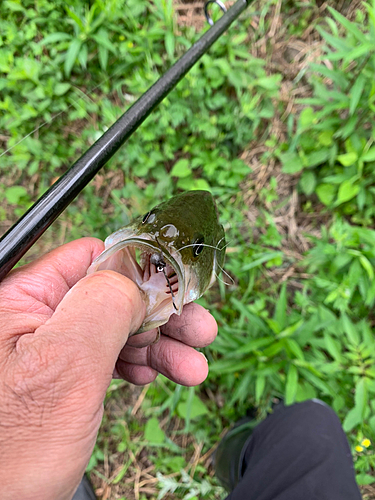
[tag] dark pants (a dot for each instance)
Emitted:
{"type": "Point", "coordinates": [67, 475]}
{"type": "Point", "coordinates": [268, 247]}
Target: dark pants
{"type": "Point", "coordinates": [299, 452]}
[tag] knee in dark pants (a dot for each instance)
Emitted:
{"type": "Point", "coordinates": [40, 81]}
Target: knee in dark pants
{"type": "Point", "coordinates": [299, 451]}
{"type": "Point", "coordinates": [304, 429]}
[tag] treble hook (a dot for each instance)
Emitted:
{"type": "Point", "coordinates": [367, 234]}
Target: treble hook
{"type": "Point", "coordinates": [208, 17]}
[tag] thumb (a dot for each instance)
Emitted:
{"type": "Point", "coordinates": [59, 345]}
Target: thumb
{"type": "Point", "coordinates": [94, 319]}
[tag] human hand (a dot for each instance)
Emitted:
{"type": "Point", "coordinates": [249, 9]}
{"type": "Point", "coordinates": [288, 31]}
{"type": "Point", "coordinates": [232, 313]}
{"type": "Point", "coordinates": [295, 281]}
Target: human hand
{"type": "Point", "coordinates": [61, 336]}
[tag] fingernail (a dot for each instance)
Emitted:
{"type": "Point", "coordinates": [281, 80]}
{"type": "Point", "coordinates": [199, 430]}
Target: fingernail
{"type": "Point", "coordinates": [203, 356]}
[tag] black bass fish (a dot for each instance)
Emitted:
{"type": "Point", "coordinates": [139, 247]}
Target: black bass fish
{"type": "Point", "coordinates": [173, 253]}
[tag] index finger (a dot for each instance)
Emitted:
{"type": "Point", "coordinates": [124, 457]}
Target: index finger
{"type": "Point", "coordinates": [195, 327]}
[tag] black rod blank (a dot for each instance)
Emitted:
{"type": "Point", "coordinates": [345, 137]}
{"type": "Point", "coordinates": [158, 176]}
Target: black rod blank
{"type": "Point", "coordinates": [26, 231]}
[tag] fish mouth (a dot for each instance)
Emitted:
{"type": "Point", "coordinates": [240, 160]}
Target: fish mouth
{"type": "Point", "coordinates": [157, 273]}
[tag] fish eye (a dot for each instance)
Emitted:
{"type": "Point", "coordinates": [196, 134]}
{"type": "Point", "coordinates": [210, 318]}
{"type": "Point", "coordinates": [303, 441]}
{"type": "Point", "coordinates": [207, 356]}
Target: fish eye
{"type": "Point", "coordinates": [198, 246]}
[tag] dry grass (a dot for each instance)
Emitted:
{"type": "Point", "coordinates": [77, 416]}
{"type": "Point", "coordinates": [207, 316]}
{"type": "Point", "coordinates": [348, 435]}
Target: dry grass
{"type": "Point", "coordinates": [368, 492]}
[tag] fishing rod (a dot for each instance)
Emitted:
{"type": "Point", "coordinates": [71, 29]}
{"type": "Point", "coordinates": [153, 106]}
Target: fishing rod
{"type": "Point", "coordinates": [30, 227]}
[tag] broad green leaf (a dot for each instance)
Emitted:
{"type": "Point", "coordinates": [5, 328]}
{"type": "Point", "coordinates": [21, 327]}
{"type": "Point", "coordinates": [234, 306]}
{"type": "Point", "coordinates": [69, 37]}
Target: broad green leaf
{"type": "Point", "coordinates": [360, 396]}
{"type": "Point", "coordinates": [349, 128]}
{"type": "Point", "coordinates": [350, 329]}
{"type": "Point", "coordinates": [181, 168]}
{"type": "Point", "coordinates": [75, 18]}
{"type": "Point", "coordinates": [348, 25]}
{"type": "Point", "coordinates": [274, 325]}
{"type": "Point", "coordinates": [366, 264]}
{"type": "Point", "coordinates": [317, 382]}
{"type": "Point", "coordinates": [241, 392]}
{"type": "Point", "coordinates": [293, 346]}
{"type": "Point", "coordinates": [305, 391]}
{"type": "Point", "coordinates": [326, 193]}
{"type": "Point", "coordinates": [102, 40]}
{"type": "Point", "coordinates": [325, 138]}
{"type": "Point", "coordinates": [291, 385]}
{"type": "Point", "coordinates": [372, 423]}
{"type": "Point", "coordinates": [186, 183]}
{"type": "Point", "coordinates": [363, 479]}
{"type": "Point", "coordinates": [292, 163]}
{"type": "Point", "coordinates": [347, 191]}
{"type": "Point", "coordinates": [255, 345]}
{"type": "Point", "coordinates": [307, 117]}
{"type": "Point", "coordinates": [352, 419]}
{"type": "Point", "coordinates": [274, 349]}
{"type": "Point", "coordinates": [369, 156]}
{"type": "Point", "coordinates": [355, 370]}
{"type": "Point", "coordinates": [14, 193]}
{"type": "Point", "coordinates": [336, 42]}
{"type": "Point", "coordinates": [265, 258]}
{"type": "Point", "coordinates": [169, 41]}
{"type": "Point", "coordinates": [196, 409]}
{"type": "Point", "coordinates": [338, 403]}
{"type": "Point", "coordinates": [307, 182]}
{"type": "Point", "coordinates": [253, 319]}
{"type": "Point", "coordinates": [153, 432]}
{"type": "Point", "coordinates": [359, 51]}
{"type": "Point", "coordinates": [289, 331]}
{"type": "Point", "coordinates": [83, 56]}
{"type": "Point", "coordinates": [347, 159]}
{"type": "Point", "coordinates": [61, 88]}
{"type": "Point", "coordinates": [317, 158]}
{"type": "Point", "coordinates": [231, 365]}
{"type": "Point", "coordinates": [259, 388]}
{"type": "Point", "coordinates": [269, 82]}
{"type": "Point", "coordinates": [333, 347]}
{"type": "Point", "coordinates": [13, 5]}
{"type": "Point", "coordinates": [71, 56]}
{"type": "Point", "coordinates": [200, 184]}
{"type": "Point", "coordinates": [103, 56]}
{"type": "Point", "coordinates": [280, 310]}
{"type": "Point", "coordinates": [336, 76]}
{"type": "Point", "coordinates": [55, 37]}
{"type": "Point", "coordinates": [356, 93]}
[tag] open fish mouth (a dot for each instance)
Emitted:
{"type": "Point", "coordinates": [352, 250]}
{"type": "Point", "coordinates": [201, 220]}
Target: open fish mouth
{"type": "Point", "coordinates": [158, 274]}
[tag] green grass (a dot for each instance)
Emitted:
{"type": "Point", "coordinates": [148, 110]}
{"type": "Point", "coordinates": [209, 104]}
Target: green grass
{"type": "Point", "coordinates": [77, 69]}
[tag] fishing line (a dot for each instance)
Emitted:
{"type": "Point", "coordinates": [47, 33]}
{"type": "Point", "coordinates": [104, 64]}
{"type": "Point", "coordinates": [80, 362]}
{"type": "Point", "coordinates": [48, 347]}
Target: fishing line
{"type": "Point", "coordinates": [226, 274]}
{"type": "Point", "coordinates": [215, 248]}
{"type": "Point", "coordinates": [224, 282]}
{"type": "Point", "coordinates": [205, 245]}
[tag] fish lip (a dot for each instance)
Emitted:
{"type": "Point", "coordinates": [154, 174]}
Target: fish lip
{"type": "Point", "coordinates": [150, 244]}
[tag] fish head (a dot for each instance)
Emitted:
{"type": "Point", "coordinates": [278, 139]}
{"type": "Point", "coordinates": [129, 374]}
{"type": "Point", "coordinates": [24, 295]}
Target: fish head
{"type": "Point", "coordinates": [173, 253]}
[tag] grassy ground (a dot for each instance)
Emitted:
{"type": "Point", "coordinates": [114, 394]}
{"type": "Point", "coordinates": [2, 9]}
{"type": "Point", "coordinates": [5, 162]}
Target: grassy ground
{"type": "Point", "coordinates": [297, 322]}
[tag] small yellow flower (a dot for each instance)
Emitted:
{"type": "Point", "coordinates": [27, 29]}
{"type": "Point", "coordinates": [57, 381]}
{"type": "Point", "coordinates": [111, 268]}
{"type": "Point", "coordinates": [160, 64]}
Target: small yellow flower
{"type": "Point", "coordinates": [359, 448]}
{"type": "Point", "coordinates": [121, 37]}
{"type": "Point", "coordinates": [130, 45]}
{"type": "Point", "coordinates": [366, 442]}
